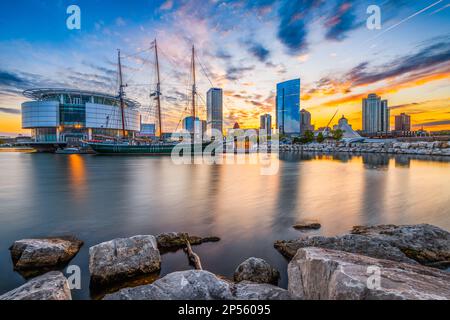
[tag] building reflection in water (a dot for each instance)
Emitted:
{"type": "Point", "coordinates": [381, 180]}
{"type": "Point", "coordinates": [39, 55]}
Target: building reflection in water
{"type": "Point", "coordinates": [402, 161]}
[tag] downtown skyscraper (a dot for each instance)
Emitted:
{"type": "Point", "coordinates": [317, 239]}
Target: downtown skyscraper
{"type": "Point", "coordinates": [288, 107]}
{"type": "Point", "coordinates": [266, 123]}
{"type": "Point", "coordinates": [376, 115]}
{"type": "Point", "coordinates": [214, 106]}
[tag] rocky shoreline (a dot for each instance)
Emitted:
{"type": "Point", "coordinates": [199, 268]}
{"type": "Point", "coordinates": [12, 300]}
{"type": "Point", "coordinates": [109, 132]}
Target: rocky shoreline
{"type": "Point", "coordinates": [437, 148]}
{"type": "Point", "coordinates": [405, 260]}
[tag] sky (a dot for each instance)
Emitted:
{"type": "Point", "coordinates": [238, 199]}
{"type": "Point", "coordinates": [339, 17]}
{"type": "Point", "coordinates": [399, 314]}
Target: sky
{"type": "Point", "coordinates": [243, 47]}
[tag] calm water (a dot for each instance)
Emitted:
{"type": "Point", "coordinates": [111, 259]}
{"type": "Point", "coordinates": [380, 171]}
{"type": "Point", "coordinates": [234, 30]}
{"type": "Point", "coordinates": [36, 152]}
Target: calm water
{"type": "Point", "coordinates": [98, 198]}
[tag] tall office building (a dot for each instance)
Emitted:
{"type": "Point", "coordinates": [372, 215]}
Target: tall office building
{"type": "Point", "coordinates": [188, 123]}
{"type": "Point", "coordinates": [214, 104]}
{"type": "Point", "coordinates": [403, 122]}
{"type": "Point", "coordinates": [266, 123]}
{"type": "Point", "coordinates": [288, 107]}
{"type": "Point", "coordinates": [375, 114]}
{"type": "Point", "coordinates": [305, 121]}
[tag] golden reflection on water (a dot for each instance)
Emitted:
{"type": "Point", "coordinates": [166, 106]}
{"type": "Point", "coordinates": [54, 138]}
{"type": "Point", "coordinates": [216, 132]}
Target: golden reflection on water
{"type": "Point", "coordinates": [77, 175]}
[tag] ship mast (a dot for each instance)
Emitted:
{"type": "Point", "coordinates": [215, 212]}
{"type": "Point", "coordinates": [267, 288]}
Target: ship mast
{"type": "Point", "coordinates": [121, 95]}
{"type": "Point", "coordinates": [158, 93]}
{"type": "Point", "coordinates": [194, 88]}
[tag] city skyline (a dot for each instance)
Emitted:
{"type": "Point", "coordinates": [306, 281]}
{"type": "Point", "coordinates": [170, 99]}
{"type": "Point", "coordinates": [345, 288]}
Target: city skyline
{"type": "Point", "coordinates": [326, 45]}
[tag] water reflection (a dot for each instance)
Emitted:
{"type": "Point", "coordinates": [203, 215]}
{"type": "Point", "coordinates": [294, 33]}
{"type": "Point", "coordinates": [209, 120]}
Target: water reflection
{"type": "Point", "coordinates": [77, 175]}
{"type": "Point", "coordinates": [102, 198]}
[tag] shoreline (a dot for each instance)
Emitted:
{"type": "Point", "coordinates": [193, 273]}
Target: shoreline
{"type": "Point", "coordinates": [436, 148]}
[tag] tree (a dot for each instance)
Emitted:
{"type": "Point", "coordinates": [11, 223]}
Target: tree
{"type": "Point", "coordinates": [308, 137]}
{"type": "Point", "coordinates": [320, 137]}
{"type": "Point", "coordinates": [337, 134]}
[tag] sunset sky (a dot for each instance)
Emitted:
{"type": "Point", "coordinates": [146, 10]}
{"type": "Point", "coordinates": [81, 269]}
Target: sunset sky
{"type": "Point", "coordinates": [244, 47]}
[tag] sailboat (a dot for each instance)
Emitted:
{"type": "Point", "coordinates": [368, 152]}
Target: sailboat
{"type": "Point", "coordinates": [160, 147]}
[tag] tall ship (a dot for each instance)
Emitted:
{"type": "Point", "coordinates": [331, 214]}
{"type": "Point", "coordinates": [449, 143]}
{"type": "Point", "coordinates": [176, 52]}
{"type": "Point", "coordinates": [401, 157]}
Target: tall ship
{"type": "Point", "coordinates": [160, 146]}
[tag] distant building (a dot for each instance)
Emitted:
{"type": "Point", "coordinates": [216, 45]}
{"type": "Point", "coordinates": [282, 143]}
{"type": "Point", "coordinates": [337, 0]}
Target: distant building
{"type": "Point", "coordinates": [147, 130]}
{"type": "Point", "coordinates": [266, 123]}
{"type": "Point", "coordinates": [375, 115]}
{"type": "Point", "coordinates": [348, 132]}
{"type": "Point", "coordinates": [67, 116]}
{"type": "Point", "coordinates": [188, 123]}
{"type": "Point", "coordinates": [214, 106]}
{"type": "Point", "coordinates": [305, 122]}
{"type": "Point", "coordinates": [288, 107]}
{"type": "Point", "coordinates": [204, 124]}
{"type": "Point", "coordinates": [403, 122]}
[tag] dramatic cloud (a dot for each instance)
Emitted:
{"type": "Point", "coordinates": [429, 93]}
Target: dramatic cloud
{"type": "Point", "coordinates": [293, 16]}
{"type": "Point", "coordinates": [259, 51]}
{"type": "Point", "coordinates": [237, 73]}
{"type": "Point", "coordinates": [341, 21]}
{"type": "Point", "coordinates": [10, 110]}
{"type": "Point", "coordinates": [433, 123]}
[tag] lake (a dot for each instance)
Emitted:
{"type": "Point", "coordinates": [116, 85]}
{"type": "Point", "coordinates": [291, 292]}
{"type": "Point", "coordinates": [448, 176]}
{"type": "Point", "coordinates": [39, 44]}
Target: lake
{"type": "Point", "coordinates": [99, 198]}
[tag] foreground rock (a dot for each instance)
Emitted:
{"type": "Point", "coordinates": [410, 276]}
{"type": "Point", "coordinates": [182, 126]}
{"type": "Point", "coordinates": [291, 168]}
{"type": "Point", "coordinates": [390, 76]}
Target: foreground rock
{"type": "Point", "coordinates": [322, 274]}
{"type": "Point", "coordinates": [176, 240]}
{"type": "Point", "coordinates": [424, 244]}
{"type": "Point", "coordinates": [307, 226]}
{"type": "Point", "coordinates": [50, 286]}
{"type": "Point", "coordinates": [122, 259]}
{"type": "Point", "coordinates": [259, 291]}
{"type": "Point", "coordinates": [256, 270]}
{"type": "Point", "coordinates": [34, 254]}
{"type": "Point", "coordinates": [199, 285]}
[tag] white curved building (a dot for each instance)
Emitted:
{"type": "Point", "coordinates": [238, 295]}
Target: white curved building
{"type": "Point", "coordinates": [71, 115]}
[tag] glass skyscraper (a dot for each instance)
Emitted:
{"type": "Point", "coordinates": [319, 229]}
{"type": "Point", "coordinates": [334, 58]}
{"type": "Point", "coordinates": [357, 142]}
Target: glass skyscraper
{"type": "Point", "coordinates": [288, 107]}
{"type": "Point", "coordinates": [376, 114]}
{"type": "Point", "coordinates": [214, 106]}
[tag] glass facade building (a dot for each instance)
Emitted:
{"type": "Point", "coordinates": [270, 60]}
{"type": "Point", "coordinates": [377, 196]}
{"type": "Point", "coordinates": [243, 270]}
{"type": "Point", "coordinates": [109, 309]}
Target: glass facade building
{"type": "Point", "coordinates": [376, 115]}
{"type": "Point", "coordinates": [66, 115]}
{"type": "Point", "coordinates": [288, 107]}
{"type": "Point", "coordinates": [214, 106]}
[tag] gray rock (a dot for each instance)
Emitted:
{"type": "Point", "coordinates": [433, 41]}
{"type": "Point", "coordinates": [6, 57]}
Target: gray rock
{"type": "Point", "coordinates": [424, 244]}
{"type": "Point", "coordinates": [50, 286]}
{"type": "Point", "coordinates": [260, 291]}
{"type": "Point", "coordinates": [183, 285]}
{"type": "Point", "coordinates": [121, 259]}
{"type": "Point", "coordinates": [45, 253]}
{"type": "Point", "coordinates": [200, 285]}
{"type": "Point", "coordinates": [307, 226]}
{"type": "Point", "coordinates": [321, 274]}
{"type": "Point", "coordinates": [176, 240]}
{"type": "Point", "coordinates": [256, 270]}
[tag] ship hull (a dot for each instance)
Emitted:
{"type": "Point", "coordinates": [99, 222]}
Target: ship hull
{"type": "Point", "coordinates": [153, 149]}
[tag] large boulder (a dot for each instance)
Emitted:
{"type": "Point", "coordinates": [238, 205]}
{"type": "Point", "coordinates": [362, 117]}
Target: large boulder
{"type": "Point", "coordinates": [50, 286]}
{"type": "Point", "coordinates": [200, 285]}
{"type": "Point", "coordinates": [122, 259]}
{"type": "Point", "coordinates": [321, 274]}
{"type": "Point", "coordinates": [259, 291]}
{"type": "Point", "coordinates": [33, 255]}
{"type": "Point", "coordinates": [424, 244]}
{"type": "Point", "coordinates": [183, 285]}
{"type": "Point", "coordinates": [175, 240]}
{"type": "Point", "coordinates": [256, 270]}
